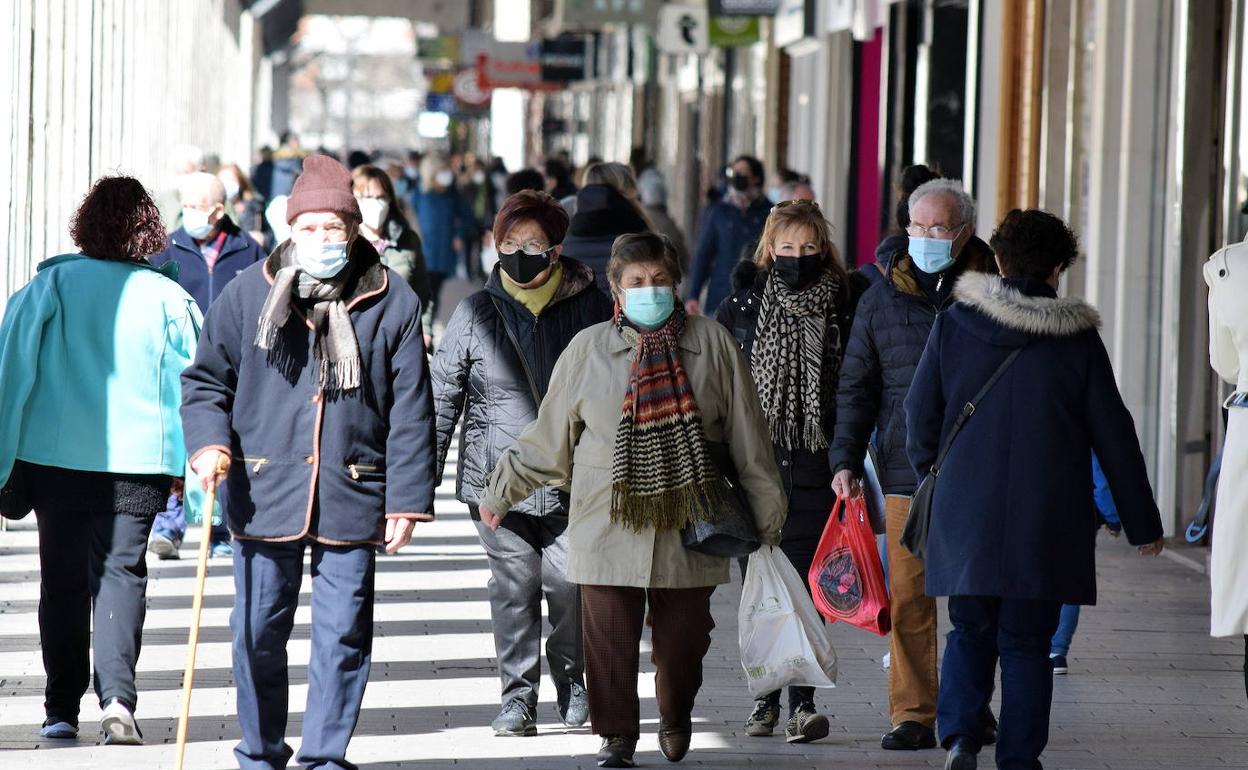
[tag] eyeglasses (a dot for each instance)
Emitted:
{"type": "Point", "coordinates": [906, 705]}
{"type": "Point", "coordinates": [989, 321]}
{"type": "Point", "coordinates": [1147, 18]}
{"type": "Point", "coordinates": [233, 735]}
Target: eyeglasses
{"type": "Point", "coordinates": [939, 232]}
{"type": "Point", "coordinates": [532, 248]}
{"type": "Point", "coordinates": [795, 202]}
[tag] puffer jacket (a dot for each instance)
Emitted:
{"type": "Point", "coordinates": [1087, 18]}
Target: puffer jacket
{"type": "Point", "coordinates": [602, 215]}
{"type": "Point", "coordinates": [478, 375]}
{"type": "Point", "coordinates": [891, 326]}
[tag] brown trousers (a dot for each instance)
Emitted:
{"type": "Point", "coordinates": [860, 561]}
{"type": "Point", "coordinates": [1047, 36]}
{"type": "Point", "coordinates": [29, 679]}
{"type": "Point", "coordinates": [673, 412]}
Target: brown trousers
{"type": "Point", "coordinates": [612, 616]}
{"type": "Point", "coordinates": [912, 674]}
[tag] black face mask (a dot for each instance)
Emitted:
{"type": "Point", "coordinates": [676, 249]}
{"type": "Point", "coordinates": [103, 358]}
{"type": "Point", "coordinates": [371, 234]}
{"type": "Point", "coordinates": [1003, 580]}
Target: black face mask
{"type": "Point", "coordinates": [799, 272]}
{"type": "Point", "coordinates": [524, 268]}
{"type": "Point", "coordinates": [740, 182]}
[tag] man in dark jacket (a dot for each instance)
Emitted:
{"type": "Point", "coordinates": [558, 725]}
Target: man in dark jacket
{"type": "Point", "coordinates": [210, 251]}
{"type": "Point", "coordinates": [495, 364]}
{"type": "Point", "coordinates": [890, 330]}
{"type": "Point", "coordinates": [310, 397]}
{"type": "Point", "coordinates": [729, 232]}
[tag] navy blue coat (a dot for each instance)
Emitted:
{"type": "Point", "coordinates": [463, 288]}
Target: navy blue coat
{"type": "Point", "coordinates": [239, 252]}
{"type": "Point", "coordinates": [306, 465]}
{"type": "Point", "coordinates": [727, 236]}
{"type": "Point", "coordinates": [1013, 513]}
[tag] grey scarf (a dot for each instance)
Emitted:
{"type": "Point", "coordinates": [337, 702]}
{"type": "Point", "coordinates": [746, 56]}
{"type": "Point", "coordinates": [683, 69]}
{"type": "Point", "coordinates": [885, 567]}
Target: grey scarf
{"type": "Point", "coordinates": [335, 346]}
{"type": "Point", "coordinates": [796, 380]}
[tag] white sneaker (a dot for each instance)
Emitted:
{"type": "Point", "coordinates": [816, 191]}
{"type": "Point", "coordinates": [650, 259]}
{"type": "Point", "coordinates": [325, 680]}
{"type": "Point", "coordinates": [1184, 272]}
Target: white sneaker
{"type": "Point", "coordinates": [888, 661]}
{"type": "Point", "coordinates": [118, 725]}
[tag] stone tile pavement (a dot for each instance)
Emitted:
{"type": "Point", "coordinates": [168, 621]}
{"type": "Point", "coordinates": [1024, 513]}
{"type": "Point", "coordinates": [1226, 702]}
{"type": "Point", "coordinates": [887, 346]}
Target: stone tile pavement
{"type": "Point", "coordinates": [1148, 688]}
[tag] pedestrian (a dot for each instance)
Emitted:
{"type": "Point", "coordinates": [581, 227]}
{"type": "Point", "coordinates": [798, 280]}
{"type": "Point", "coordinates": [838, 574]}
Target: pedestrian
{"type": "Point", "coordinates": [616, 175]}
{"type": "Point", "coordinates": [525, 179]}
{"type": "Point", "coordinates": [558, 175]}
{"type": "Point", "coordinates": [311, 387]}
{"type": "Point", "coordinates": [446, 224]}
{"type": "Point", "coordinates": [797, 190]}
{"type": "Point", "coordinates": [791, 323]}
{"type": "Point", "coordinates": [387, 229]}
{"type": "Point", "coordinates": [187, 159]}
{"type": "Point", "coordinates": [243, 205]}
{"type": "Point", "coordinates": [494, 369]}
{"type": "Point", "coordinates": [729, 232]}
{"type": "Point", "coordinates": [652, 192]}
{"type": "Point", "coordinates": [603, 214]}
{"type": "Point", "coordinates": [1013, 525]}
{"type": "Point", "coordinates": [896, 242]}
{"type": "Point", "coordinates": [890, 330]}
{"type": "Point", "coordinates": [262, 172]}
{"type": "Point", "coordinates": [479, 197]}
{"type": "Point", "coordinates": [1107, 517]}
{"type": "Point", "coordinates": [210, 250]}
{"type": "Point", "coordinates": [287, 165]}
{"type": "Point", "coordinates": [643, 471]}
{"type": "Point", "coordinates": [1226, 273]}
{"type": "Point", "coordinates": [90, 353]}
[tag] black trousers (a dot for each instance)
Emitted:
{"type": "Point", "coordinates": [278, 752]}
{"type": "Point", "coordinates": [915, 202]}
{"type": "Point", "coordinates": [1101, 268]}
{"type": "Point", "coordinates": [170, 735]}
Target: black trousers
{"type": "Point", "coordinates": [93, 572]}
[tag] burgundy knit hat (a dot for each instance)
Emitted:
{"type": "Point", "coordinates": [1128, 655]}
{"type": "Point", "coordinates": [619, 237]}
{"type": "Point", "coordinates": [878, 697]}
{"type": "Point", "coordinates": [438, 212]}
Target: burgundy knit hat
{"type": "Point", "coordinates": [324, 185]}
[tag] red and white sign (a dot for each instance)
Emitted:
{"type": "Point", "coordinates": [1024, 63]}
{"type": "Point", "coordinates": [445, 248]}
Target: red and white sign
{"type": "Point", "coordinates": [468, 88]}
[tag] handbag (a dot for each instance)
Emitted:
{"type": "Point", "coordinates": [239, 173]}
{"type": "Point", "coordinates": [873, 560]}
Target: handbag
{"type": "Point", "coordinates": [914, 534]}
{"type": "Point", "coordinates": [733, 532]}
{"type": "Point", "coordinates": [846, 577]}
{"type": "Point", "coordinates": [15, 500]}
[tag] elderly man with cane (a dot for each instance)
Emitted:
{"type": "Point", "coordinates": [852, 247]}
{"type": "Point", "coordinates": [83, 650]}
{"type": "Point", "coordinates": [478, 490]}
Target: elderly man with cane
{"type": "Point", "coordinates": [311, 387]}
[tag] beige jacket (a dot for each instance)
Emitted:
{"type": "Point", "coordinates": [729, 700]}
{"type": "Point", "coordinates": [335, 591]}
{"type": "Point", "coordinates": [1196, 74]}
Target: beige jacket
{"type": "Point", "coordinates": [572, 442]}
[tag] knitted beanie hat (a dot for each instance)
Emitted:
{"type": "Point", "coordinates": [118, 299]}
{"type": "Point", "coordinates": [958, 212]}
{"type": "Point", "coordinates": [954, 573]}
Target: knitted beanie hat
{"type": "Point", "coordinates": [324, 185]}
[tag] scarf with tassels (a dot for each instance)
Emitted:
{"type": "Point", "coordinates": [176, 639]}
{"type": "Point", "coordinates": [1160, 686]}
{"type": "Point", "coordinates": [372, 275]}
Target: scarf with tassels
{"type": "Point", "coordinates": [662, 475]}
{"type": "Point", "coordinates": [335, 345]}
{"type": "Point", "coordinates": [794, 373]}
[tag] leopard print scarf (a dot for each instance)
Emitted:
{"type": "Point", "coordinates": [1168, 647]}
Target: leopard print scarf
{"type": "Point", "coordinates": [796, 380]}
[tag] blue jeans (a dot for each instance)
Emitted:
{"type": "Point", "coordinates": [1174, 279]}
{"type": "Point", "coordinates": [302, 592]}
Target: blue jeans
{"type": "Point", "coordinates": [267, 577]}
{"type": "Point", "coordinates": [1065, 630]}
{"type": "Point", "coordinates": [1018, 631]}
{"type": "Point", "coordinates": [171, 522]}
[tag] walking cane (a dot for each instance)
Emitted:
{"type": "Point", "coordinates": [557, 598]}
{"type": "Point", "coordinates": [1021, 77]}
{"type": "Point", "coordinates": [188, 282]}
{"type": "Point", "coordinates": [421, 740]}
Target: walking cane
{"type": "Point", "coordinates": [197, 605]}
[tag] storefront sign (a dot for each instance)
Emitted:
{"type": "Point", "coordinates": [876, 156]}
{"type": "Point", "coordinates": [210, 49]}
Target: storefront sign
{"type": "Point", "coordinates": [595, 13]}
{"type": "Point", "coordinates": [734, 31]}
{"type": "Point", "coordinates": [467, 88]}
{"type": "Point", "coordinates": [683, 29]}
{"type": "Point", "coordinates": [564, 59]}
{"type": "Point", "coordinates": [795, 20]}
{"type": "Point", "coordinates": [744, 7]}
{"type": "Point", "coordinates": [440, 49]}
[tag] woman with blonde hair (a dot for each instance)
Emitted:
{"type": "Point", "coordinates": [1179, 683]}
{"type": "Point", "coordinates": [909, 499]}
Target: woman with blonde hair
{"type": "Point", "coordinates": [790, 317]}
{"type": "Point", "coordinates": [446, 224]}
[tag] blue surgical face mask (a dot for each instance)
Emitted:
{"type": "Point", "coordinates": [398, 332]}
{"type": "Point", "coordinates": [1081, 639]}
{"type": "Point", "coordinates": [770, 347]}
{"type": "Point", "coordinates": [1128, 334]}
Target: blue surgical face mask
{"type": "Point", "coordinates": [931, 255]}
{"type": "Point", "coordinates": [649, 306]}
{"type": "Point", "coordinates": [321, 260]}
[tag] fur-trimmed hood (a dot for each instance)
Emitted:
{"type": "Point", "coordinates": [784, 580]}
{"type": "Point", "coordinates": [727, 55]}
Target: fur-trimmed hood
{"type": "Point", "coordinates": [1043, 316]}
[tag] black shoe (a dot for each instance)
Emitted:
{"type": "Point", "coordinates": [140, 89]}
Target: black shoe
{"type": "Point", "coordinates": [909, 736]}
{"type": "Point", "coordinates": [962, 755]}
{"type": "Point", "coordinates": [674, 739]}
{"type": "Point", "coordinates": [617, 751]}
{"type": "Point", "coordinates": [987, 727]}
{"type": "Point", "coordinates": [763, 719]}
{"type": "Point", "coordinates": [806, 725]}
{"type": "Point", "coordinates": [1060, 667]}
{"type": "Point", "coordinates": [516, 720]}
{"type": "Point", "coordinates": [573, 705]}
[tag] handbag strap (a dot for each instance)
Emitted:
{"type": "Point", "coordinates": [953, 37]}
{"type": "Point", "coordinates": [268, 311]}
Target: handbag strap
{"type": "Point", "coordinates": [515, 343]}
{"type": "Point", "coordinates": [969, 409]}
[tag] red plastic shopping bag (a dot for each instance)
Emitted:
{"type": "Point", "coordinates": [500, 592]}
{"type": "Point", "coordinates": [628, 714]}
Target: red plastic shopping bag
{"type": "Point", "coordinates": [846, 577]}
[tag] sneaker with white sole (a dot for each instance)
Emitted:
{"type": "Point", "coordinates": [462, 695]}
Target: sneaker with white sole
{"type": "Point", "coordinates": [58, 728]}
{"type": "Point", "coordinates": [118, 725]}
{"type": "Point", "coordinates": [763, 719]}
{"type": "Point", "coordinates": [806, 725]}
{"type": "Point", "coordinates": [164, 545]}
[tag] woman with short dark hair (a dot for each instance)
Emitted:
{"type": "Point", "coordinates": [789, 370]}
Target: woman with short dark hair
{"type": "Point", "coordinates": [633, 405]}
{"type": "Point", "coordinates": [494, 369]}
{"type": "Point", "coordinates": [1013, 527]}
{"type": "Point", "coordinates": [90, 354]}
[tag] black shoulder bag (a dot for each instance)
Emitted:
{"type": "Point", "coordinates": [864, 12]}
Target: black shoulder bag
{"type": "Point", "coordinates": [914, 536]}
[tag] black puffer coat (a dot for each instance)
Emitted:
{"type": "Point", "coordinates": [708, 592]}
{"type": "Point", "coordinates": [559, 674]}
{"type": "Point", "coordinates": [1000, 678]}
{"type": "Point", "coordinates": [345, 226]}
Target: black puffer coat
{"type": "Point", "coordinates": [478, 374]}
{"type": "Point", "coordinates": [602, 215]}
{"type": "Point", "coordinates": [807, 475]}
{"type": "Point", "coordinates": [891, 326]}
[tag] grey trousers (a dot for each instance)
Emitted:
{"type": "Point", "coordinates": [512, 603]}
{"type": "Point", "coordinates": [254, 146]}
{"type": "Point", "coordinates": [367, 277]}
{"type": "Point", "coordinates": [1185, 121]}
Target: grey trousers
{"type": "Point", "coordinates": [528, 558]}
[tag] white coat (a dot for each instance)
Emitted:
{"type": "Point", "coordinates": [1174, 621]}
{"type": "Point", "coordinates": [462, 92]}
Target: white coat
{"type": "Point", "coordinates": [1227, 276]}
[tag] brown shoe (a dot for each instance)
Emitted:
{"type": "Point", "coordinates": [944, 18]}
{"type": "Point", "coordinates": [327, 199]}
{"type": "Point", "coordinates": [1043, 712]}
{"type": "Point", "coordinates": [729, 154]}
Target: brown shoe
{"type": "Point", "coordinates": [674, 739]}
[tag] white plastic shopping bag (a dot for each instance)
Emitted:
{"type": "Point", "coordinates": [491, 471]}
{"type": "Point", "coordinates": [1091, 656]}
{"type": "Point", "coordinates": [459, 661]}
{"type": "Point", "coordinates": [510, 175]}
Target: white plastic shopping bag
{"type": "Point", "coordinates": [783, 639]}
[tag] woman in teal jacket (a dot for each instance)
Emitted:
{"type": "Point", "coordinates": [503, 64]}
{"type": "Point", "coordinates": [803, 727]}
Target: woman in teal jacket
{"type": "Point", "coordinates": [91, 351]}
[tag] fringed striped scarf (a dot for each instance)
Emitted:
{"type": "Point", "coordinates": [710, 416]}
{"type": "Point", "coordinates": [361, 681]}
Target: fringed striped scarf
{"type": "Point", "coordinates": [662, 474]}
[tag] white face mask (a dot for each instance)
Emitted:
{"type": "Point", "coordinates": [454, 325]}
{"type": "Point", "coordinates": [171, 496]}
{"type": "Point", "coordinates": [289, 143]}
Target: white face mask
{"type": "Point", "coordinates": [444, 178]}
{"type": "Point", "coordinates": [231, 186]}
{"type": "Point", "coordinates": [374, 211]}
{"type": "Point", "coordinates": [478, 177]}
{"type": "Point", "coordinates": [321, 260]}
{"type": "Point", "coordinates": [196, 223]}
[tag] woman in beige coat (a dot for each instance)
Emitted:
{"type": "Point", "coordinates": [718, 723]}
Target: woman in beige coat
{"type": "Point", "coordinates": [636, 461]}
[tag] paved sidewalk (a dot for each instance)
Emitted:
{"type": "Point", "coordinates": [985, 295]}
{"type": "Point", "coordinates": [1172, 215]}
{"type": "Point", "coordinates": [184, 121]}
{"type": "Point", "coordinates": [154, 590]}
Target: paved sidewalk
{"type": "Point", "coordinates": [1148, 688]}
